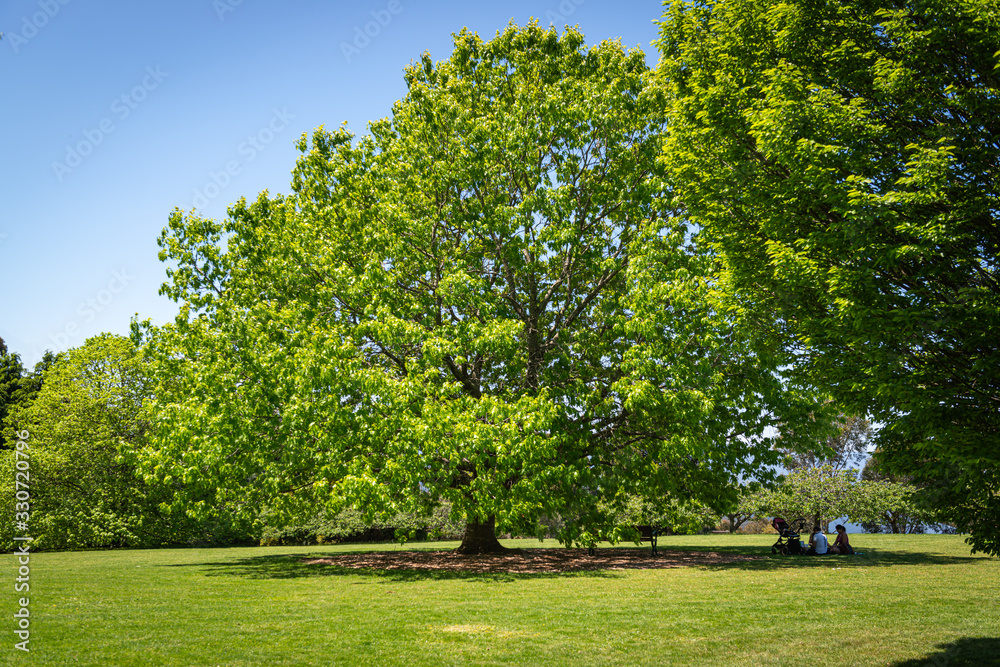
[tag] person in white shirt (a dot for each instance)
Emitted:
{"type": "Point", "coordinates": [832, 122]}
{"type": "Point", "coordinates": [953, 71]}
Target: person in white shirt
{"type": "Point", "coordinates": [817, 543]}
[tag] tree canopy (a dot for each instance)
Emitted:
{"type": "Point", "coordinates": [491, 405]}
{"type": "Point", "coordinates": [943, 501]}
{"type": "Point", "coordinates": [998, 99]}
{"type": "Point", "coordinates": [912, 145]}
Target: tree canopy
{"type": "Point", "coordinates": [486, 300]}
{"type": "Point", "coordinates": [843, 158]}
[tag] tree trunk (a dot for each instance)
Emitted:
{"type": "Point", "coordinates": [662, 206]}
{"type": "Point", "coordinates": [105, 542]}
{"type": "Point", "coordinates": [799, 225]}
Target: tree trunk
{"type": "Point", "coordinates": [480, 538]}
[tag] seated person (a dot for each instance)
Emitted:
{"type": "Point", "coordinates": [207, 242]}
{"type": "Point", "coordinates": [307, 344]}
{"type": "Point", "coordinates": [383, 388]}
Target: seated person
{"type": "Point", "coordinates": [841, 545]}
{"type": "Point", "coordinates": [817, 543]}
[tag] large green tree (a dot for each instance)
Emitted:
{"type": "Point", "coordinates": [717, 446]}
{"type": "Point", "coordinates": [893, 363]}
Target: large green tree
{"type": "Point", "coordinates": [487, 300]}
{"type": "Point", "coordinates": [843, 158]}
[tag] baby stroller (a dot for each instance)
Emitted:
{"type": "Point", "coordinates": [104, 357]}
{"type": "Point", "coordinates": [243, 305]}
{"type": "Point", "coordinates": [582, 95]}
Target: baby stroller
{"type": "Point", "coordinates": [788, 540]}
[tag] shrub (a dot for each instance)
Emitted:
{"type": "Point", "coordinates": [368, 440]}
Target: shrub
{"type": "Point", "coordinates": [349, 525]}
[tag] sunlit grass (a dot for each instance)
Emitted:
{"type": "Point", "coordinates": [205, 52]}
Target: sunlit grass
{"type": "Point", "coordinates": [909, 598]}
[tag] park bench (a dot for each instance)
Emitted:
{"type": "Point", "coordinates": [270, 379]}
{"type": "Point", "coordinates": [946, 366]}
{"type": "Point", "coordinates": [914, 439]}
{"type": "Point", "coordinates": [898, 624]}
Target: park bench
{"type": "Point", "coordinates": [648, 534]}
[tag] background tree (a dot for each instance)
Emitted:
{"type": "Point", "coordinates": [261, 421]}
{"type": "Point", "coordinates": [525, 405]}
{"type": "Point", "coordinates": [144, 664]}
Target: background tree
{"type": "Point", "coordinates": [846, 447]}
{"type": "Point", "coordinates": [31, 383]}
{"type": "Point", "coordinates": [843, 158]}
{"type": "Point", "coordinates": [11, 372]}
{"type": "Point", "coordinates": [485, 301]}
{"type": "Point", "coordinates": [86, 427]}
{"type": "Point", "coordinates": [735, 519]}
{"type": "Point", "coordinates": [817, 496]}
{"type": "Point", "coordinates": [349, 525]}
{"type": "Point", "coordinates": [904, 516]}
{"type": "Point", "coordinates": [18, 387]}
{"type": "Point", "coordinates": [809, 497]}
{"type": "Point", "coordinates": [748, 508]}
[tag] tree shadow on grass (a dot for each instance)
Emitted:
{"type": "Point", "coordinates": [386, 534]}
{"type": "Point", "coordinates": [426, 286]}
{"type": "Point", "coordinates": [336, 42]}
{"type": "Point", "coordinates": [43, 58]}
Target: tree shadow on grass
{"type": "Point", "coordinates": [523, 564]}
{"type": "Point", "coordinates": [965, 652]}
{"type": "Point", "coordinates": [868, 558]}
{"type": "Point", "coordinates": [296, 566]}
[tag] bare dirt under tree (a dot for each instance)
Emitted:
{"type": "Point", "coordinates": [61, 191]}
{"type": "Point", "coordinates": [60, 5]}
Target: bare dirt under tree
{"type": "Point", "coordinates": [528, 561]}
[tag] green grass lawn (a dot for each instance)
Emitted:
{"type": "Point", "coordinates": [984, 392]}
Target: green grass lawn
{"type": "Point", "coordinates": [910, 600]}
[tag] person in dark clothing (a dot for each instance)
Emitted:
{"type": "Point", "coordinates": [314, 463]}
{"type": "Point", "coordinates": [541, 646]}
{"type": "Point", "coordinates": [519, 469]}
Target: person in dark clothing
{"type": "Point", "coordinates": [842, 545]}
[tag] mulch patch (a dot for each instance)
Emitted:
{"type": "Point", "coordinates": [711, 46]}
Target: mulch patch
{"type": "Point", "coordinates": [529, 561]}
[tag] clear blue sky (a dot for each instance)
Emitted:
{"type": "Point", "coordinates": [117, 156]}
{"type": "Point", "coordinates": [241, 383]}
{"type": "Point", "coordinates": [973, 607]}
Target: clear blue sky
{"type": "Point", "coordinates": [116, 112]}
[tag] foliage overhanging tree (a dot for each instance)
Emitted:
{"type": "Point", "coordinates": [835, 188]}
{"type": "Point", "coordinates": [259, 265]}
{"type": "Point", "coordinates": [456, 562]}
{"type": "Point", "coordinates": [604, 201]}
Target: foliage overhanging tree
{"type": "Point", "coordinates": [484, 301]}
{"type": "Point", "coordinates": [843, 157]}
